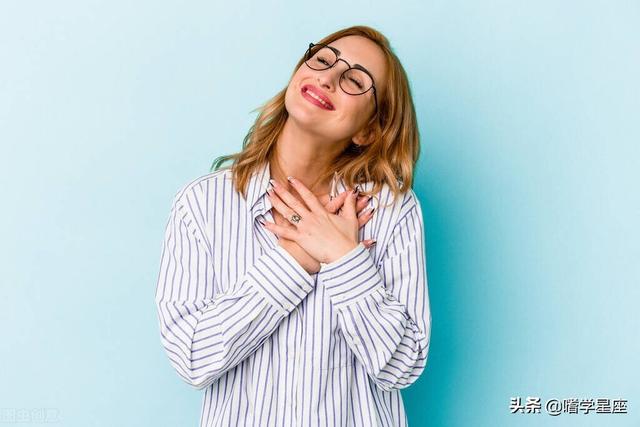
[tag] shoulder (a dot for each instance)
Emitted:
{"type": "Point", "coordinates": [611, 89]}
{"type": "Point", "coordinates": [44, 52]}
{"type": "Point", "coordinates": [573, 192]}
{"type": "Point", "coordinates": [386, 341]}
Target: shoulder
{"type": "Point", "coordinates": [405, 203]}
{"type": "Point", "coordinates": [400, 223]}
{"type": "Point", "coordinates": [196, 190]}
{"type": "Point", "coordinates": [192, 199]}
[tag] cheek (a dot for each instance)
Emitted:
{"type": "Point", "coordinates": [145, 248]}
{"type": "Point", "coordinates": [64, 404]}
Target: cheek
{"type": "Point", "coordinates": [302, 75]}
{"type": "Point", "coordinates": [353, 112]}
{"type": "Point", "coordinates": [295, 83]}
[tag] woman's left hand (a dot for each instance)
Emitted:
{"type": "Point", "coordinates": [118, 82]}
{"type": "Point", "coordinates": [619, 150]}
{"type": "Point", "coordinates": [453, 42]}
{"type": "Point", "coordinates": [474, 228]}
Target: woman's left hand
{"type": "Point", "coordinates": [325, 236]}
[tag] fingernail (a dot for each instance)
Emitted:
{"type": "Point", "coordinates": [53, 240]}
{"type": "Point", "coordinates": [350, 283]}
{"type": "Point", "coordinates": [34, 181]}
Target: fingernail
{"type": "Point", "coordinates": [261, 221]}
{"type": "Point", "coordinates": [373, 242]}
{"type": "Point", "coordinates": [273, 182]}
{"type": "Point", "coordinates": [290, 179]}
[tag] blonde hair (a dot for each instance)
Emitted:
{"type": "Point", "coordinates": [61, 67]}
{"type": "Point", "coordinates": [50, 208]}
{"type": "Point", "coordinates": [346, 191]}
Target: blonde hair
{"type": "Point", "coordinates": [390, 158]}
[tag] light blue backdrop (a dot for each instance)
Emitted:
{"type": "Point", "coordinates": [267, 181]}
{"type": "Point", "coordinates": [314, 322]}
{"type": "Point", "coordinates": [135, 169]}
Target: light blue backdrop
{"type": "Point", "coordinates": [528, 182]}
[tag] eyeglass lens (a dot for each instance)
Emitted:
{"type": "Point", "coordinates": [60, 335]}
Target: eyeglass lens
{"type": "Point", "coordinates": [353, 81]}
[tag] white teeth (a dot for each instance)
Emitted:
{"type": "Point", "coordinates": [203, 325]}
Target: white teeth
{"type": "Point", "coordinates": [318, 98]}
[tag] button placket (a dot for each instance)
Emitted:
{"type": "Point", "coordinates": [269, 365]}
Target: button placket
{"type": "Point", "coordinates": [298, 367]}
{"type": "Point", "coordinates": [294, 357]}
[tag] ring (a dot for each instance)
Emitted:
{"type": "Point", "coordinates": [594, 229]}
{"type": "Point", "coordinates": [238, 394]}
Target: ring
{"type": "Point", "coordinates": [295, 218]}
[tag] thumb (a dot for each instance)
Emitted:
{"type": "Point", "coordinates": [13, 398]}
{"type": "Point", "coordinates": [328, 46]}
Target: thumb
{"type": "Point", "coordinates": [369, 243]}
{"type": "Point", "coordinates": [336, 202]}
{"type": "Point", "coordinates": [349, 208]}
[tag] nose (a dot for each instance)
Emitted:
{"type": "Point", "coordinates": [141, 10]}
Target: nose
{"type": "Point", "coordinates": [329, 78]}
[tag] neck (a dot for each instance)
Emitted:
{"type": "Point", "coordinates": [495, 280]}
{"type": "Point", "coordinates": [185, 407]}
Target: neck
{"type": "Point", "coordinates": [304, 156]}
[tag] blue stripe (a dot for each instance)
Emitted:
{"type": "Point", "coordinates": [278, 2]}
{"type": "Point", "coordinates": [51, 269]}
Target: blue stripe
{"type": "Point", "coordinates": [273, 345]}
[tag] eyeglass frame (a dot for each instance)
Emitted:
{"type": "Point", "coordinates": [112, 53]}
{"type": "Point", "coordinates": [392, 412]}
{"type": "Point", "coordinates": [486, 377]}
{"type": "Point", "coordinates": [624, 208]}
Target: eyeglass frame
{"type": "Point", "coordinates": [356, 67]}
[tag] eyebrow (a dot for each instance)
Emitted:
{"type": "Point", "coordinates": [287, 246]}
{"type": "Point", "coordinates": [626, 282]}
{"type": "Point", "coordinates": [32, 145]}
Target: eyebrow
{"type": "Point", "coordinates": [354, 65]}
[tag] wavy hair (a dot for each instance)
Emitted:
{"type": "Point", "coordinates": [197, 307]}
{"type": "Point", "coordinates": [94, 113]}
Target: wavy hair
{"type": "Point", "coordinates": [390, 157]}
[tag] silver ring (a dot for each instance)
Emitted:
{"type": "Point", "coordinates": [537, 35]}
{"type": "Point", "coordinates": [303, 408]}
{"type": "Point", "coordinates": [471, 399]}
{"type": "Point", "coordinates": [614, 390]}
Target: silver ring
{"type": "Point", "coordinates": [295, 218]}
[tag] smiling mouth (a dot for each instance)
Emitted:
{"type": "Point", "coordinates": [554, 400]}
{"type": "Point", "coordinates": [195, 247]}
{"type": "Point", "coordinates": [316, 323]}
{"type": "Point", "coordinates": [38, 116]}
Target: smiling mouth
{"type": "Point", "coordinates": [315, 99]}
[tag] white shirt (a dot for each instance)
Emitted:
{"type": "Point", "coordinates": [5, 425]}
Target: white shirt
{"type": "Point", "coordinates": [272, 345]}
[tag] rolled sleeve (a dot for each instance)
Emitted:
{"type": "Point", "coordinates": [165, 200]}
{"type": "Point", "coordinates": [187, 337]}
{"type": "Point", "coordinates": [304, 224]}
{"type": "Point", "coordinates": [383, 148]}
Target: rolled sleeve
{"type": "Point", "coordinates": [281, 279]}
{"type": "Point", "coordinates": [350, 277]}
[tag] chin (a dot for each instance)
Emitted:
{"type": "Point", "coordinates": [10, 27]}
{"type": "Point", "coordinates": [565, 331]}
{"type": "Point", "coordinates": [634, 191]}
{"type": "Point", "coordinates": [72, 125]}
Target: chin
{"type": "Point", "coordinates": [309, 122]}
{"type": "Point", "coordinates": [309, 117]}
{"type": "Point", "coordinates": [299, 110]}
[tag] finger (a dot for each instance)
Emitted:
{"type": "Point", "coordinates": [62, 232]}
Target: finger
{"type": "Point", "coordinates": [282, 221]}
{"type": "Point", "coordinates": [309, 198]}
{"type": "Point", "coordinates": [336, 202]}
{"type": "Point", "coordinates": [369, 243]}
{"type": "Point", "coordinates": [280, 231]}
{"type": "Point", "coordinates": [362, 203]}
{"type": "Point", "coordinates": [365, 216]}
{"type": "Point", "coordinates": [349, 208]}
{"type": "Point", "coordinates": [279, 205]}
{"type": "Point", "coordinates": [289, 199]}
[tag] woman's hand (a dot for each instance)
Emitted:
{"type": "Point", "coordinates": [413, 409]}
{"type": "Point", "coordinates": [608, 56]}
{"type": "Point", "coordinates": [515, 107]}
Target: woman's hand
{"type": "Point", "coordinates": [310, 264]}
{"type": "Point", "coordinates": [325, 236]}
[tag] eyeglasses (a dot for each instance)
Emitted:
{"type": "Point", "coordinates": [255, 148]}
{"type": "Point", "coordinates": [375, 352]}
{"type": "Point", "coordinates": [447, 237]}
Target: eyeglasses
{"type": "Point", "coordinates": [354, 80]}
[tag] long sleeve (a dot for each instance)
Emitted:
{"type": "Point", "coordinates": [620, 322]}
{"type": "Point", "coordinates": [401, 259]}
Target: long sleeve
{"type": "Point", "coordinates": [383, 310]}
{"type": "Point", "coordinates": [205, 334]}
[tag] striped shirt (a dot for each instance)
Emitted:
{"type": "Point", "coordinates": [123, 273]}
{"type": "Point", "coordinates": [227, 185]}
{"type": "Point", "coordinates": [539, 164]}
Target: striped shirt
{"type": "Point", "coordinates": [273, 345]}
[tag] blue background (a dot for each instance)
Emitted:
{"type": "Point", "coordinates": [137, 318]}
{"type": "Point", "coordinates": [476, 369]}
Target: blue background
{"type": "Point", "coordinates": [528, 181]}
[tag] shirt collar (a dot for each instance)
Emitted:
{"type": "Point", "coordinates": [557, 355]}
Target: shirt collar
{"type": "Point", "coordinates": [257, 188]}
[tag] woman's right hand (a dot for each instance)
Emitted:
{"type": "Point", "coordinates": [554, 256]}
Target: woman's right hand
{"type": "Point", "coordinates": [310, 264]}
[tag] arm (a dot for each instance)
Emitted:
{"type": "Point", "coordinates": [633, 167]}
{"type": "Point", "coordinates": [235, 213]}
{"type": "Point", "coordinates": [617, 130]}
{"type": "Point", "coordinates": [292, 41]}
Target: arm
{"type": "Point", "coordinates": [383, 310]}
{"type": "Point", "coordinates": [205, 334]}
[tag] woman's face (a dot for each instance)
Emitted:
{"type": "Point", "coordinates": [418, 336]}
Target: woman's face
{"type": "Point", "coordinates": [349, 113]}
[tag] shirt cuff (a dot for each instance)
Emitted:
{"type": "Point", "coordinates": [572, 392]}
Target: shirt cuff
{"type": "Point", "coordinates": [350, 277]}
{"type": "Point", "coordinates": [281, 279]}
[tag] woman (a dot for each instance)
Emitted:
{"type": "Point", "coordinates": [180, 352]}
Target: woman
{"type": "Point", "coordinates": [272, 295]}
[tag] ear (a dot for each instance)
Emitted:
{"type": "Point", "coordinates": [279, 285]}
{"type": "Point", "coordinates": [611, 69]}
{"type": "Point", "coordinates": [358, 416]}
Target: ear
{"type": "Point", "coordinates": [362, 138]}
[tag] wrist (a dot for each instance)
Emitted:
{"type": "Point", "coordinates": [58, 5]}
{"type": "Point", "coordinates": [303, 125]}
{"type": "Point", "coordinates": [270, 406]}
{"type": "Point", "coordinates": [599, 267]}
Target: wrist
{"type": "Point", "coordinates": [340, 250]}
